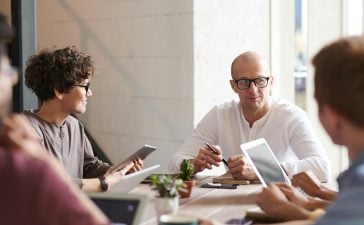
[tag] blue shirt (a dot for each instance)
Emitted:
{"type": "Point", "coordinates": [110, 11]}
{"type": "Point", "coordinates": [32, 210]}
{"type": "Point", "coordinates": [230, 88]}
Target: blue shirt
{"type": "Point", "coordinates": [348, 208]}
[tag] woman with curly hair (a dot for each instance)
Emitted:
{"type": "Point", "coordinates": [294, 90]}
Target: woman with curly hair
{"type": "Point", "coordinates": [61, 80]}
{"type": "Point", "coordinates": [35, 188]}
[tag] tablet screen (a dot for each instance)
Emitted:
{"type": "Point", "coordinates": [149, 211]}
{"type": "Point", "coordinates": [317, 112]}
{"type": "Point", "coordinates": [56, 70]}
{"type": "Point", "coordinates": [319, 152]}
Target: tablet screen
{"type": "Point", "coordinates": [266, 164]}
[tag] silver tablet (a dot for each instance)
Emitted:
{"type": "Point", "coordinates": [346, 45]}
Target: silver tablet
{"type": "Point", "coordinates": [264, 162]}
{"type": "Point", "coordinates": [142, 153]}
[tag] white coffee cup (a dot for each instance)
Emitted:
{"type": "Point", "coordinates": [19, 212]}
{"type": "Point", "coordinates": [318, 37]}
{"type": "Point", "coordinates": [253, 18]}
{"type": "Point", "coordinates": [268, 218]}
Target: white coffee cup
{"type": "Point", "coordinates": [177, 220]}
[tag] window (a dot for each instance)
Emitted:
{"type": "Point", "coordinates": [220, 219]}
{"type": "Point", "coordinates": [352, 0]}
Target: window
{"type": "Point", "coordinates": [300, 67]}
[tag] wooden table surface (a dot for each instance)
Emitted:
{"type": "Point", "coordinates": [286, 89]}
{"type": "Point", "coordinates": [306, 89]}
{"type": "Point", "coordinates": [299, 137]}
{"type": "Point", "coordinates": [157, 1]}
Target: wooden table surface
{"type": "Point", "coordinates": [220, 204]}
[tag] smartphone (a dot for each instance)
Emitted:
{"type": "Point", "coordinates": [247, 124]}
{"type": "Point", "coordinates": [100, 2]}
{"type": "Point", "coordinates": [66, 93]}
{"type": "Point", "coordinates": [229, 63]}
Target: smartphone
{"type": "Point", "coordinates": [142, 153]}
{"type": "Point", "coordinates": [218, 185]}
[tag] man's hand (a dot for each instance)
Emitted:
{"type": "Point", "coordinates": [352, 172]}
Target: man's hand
{"type": "Point", "coordinates": [308, 182]}
{"type": "Point", "coordinates": [206, 158]}
{"type": "Point", "coordinates": [240, 169]}
{"type": "Point", "coordinates": [274, 202]}
{"type": "Point", "coordinates": [293, 195]}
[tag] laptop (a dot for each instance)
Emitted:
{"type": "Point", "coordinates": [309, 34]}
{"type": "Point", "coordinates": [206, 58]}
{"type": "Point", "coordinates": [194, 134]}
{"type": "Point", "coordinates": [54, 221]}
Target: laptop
{"type": "Point", "coordinates": [121, 209]}
{"type": "Point", "coordinates": [264, 162]}
{"type": "Point", "coordinates": [132, 180]}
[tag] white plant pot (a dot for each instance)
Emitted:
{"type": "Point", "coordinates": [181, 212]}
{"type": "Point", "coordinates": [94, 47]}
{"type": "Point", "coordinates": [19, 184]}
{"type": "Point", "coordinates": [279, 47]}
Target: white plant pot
{"type": "Point", "coordinates": [164, 206]}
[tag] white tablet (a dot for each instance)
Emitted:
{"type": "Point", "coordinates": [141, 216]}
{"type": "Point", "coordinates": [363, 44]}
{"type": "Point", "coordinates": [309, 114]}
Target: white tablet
{"type": "Point", "coordinates": [264, 162]}
{"type": "Point", "coordinates": [123, 209]}
{"type": "Point", "coordinates": [132, 180]}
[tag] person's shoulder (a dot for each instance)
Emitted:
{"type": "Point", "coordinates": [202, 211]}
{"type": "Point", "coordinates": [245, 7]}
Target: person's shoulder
{"type": "Point", "coordinates": [281, 105]}
{"type": "Point", "coordinates": [227, 106]}
{"type": "Point", "coordinates": [31, 115]}
{"type": "Point", "coordinates": [34, 120]}
{"type": "Point", "coordinates": [73, 121]}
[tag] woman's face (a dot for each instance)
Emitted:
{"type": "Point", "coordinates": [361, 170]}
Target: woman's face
{"type": "Point", "coordinates": [8, 78]}
{"type": "Point", "coordinates": [75, 101]}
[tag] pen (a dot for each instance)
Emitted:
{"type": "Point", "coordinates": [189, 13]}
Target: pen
{"type": "Point", "coordinates": [214, 151]}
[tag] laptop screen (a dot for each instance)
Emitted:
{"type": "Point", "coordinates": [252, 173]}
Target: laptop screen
{"type": "Point", "coordinates": [119, 212]}
{"type": "Point", "coordinates": [121, 209]}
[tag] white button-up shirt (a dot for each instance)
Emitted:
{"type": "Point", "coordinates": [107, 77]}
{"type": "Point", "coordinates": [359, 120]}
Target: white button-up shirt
{"type": "Point", "coordinates": [285, 127]}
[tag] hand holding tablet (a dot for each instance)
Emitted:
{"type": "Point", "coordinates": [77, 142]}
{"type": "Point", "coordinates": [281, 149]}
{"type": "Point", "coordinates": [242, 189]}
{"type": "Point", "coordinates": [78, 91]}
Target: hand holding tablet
{"type": "Point", "coordinates": [142, 153]}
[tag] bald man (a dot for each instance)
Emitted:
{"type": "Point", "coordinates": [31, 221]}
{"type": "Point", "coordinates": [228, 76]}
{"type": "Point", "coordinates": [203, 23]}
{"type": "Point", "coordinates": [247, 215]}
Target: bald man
{"type": "Point", "coordinates": [285, 127]}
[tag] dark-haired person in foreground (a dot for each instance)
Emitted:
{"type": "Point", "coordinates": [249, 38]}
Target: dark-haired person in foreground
{"type": "Point", "coordinates": [34, 188]}
{"type": "Point", "coordinates": [61, 80]}
{"type": "Point", "coordinates": [339, 67]}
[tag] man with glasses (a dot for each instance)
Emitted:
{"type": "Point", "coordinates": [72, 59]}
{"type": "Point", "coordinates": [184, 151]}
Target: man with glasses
{"type": "Point", "coordinates": [285, 126]}
{"type": "Point", "coordinates": [61, 79]}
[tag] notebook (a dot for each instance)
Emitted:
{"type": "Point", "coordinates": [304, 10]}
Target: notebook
{"type": "Point", "coordinates": [227, 178]}
{"type": "Point", "coordinates": [125, 209]}
{"type": "Point", "coordinates": [133, 179]}
{"type": "Point", "coordinates": [264, 162]}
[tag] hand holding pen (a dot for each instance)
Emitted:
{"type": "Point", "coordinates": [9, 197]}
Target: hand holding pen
{"type": "Point", "coordinates": [206, 158]}
{"type": "Point", "coordinates": [215, 152]}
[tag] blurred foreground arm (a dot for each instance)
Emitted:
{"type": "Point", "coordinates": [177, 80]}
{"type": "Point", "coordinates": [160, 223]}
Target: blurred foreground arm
{"type": "Point", "coordinates": [19, 135]}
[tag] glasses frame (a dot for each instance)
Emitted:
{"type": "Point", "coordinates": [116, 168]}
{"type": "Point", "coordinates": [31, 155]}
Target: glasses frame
{"type": "Point", "coordinates": [86, 86]}
{"type": "Point", "coordinates": [252, 81]}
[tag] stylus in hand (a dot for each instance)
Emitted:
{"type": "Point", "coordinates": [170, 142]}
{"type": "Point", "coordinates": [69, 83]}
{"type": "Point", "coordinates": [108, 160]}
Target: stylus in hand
{"type": "Point", "coordinates": [214, 151]}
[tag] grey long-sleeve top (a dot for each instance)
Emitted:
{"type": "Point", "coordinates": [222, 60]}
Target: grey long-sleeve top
{"type": "Point", "coordinates": [69, 143]}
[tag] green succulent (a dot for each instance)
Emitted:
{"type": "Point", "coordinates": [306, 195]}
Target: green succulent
{"type": "Point", "coordinates": [187, 170]}
{"type": "Point", "coordinates": [166, 185]}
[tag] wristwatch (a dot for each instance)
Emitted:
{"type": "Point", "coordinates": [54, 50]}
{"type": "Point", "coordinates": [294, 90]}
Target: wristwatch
{"type": "Point", "coordinates": [103, 183]}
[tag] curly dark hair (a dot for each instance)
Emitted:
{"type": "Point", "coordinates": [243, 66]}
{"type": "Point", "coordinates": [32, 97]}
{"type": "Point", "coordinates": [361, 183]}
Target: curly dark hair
{"type": "Point", "coordinates": [59, 70]}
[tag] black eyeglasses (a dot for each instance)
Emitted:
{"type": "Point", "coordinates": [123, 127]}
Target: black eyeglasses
{"type": "Point", "coordinates": [260, 82]}
{"type": "Point", "coordinates": [86, 86]}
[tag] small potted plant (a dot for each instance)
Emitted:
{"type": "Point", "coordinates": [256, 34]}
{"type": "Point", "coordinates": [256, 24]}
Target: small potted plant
{"type": "Point", "coordinates": [167, 187]}
{"type": "Point", "coordinates": [187, 171]}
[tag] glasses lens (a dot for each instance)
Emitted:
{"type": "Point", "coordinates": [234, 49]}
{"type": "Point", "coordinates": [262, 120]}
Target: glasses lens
{"type": "Point", "coordinates": [261, 82]}
{"type": "Point", "coordinates": [243, 84]}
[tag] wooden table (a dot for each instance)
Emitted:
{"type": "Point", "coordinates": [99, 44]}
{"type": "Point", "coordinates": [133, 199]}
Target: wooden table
{"type": "Point", "coordinates": [220, 204]}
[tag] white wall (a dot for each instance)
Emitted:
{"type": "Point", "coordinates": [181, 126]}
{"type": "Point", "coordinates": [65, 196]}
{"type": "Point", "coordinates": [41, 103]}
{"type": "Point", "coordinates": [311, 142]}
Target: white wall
{"type": "Point", "coordinates": [162, 64]}
{"type": "Point", "coordinates": [143, 91]}
{"type": "Point", "coordinates": [324, 26]}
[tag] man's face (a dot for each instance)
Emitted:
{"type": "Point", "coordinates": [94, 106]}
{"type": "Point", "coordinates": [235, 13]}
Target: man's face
{"type": "Point", "coordinates": [8, 77]}
{"type": "Point", "coordinates": [253, 98]}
